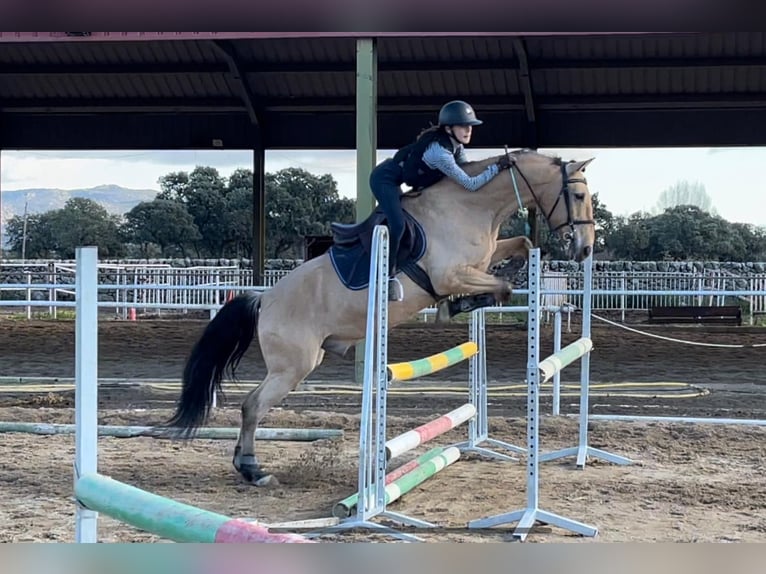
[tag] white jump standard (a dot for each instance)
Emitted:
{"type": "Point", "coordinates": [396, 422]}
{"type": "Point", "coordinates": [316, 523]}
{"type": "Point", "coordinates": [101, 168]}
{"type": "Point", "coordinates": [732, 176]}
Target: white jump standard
{"type": "Point", "coordinates": [375, 488]}
{"type": "Point", "coordinates": [527, 517]}
{"type": "Point", "coordinates": [582, 451]}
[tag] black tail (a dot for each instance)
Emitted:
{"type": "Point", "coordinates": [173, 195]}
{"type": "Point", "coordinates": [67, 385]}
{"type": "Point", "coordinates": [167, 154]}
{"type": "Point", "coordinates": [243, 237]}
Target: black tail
{"type": "Point", "coordinates": [217, 353]}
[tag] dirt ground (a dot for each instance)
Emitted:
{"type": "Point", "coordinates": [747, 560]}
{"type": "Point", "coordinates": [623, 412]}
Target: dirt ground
{"type": "Point", "coordinates": [689, 482]}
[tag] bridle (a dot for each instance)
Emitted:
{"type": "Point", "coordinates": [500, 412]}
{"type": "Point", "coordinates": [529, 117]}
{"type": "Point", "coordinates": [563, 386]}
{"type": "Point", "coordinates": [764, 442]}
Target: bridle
{"type": "Point", "coordinates": [565, 192]}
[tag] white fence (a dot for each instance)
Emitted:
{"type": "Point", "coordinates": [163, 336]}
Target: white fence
{"type": "Point", "coordinates": [161, 289]}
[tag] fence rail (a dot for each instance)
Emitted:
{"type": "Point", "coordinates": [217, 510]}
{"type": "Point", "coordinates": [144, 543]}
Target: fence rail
{"type": "Point", "coordinates": [161, 289]}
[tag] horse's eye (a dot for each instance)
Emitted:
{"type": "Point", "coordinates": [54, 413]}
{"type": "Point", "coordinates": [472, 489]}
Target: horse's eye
{"type": "Point", "coordinates": [579, 196]}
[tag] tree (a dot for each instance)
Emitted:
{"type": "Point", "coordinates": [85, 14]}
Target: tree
{"type": "Point", "coordinates": [685, 193]}
{"type": "Point", "coordinates": [161, 222]}
{"type": "Point", "coordinates": [299, 203]}
{"type": "Point", "coordinates": [606, 223]}
{"type": "Point", "coordinates": [630, 238]}
{"type": "Point", "coordinates": [58, 233]}
{"type": "Point", "coordinates": [685, 233]}
{"type": "Point", "coordinates": [203, 193]}
{"type": "Point", "coordinates": [84, 222]}
{"type": "Point", "coordinates": [239, 197]}
{"type": "Point", "coordinates": [40, 235]}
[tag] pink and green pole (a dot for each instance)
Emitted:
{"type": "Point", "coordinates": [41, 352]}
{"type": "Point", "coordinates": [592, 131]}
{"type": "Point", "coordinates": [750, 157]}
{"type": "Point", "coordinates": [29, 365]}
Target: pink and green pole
{"type": "Point", "coordinates": [403, 479]}
{"type": "Point", "coordinates": [168, 518]}
{"type": "Point", "coordinates": [343, 508]}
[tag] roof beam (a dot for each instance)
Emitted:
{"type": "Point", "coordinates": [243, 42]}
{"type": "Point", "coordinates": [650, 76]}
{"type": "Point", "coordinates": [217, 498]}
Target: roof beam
{"type": "Point", "coordinates": [561, 64]}
{"type": "Point", "coordinates": [525, 82]}
{"type": "Point", "coordinates": [499, 64]}
{"type": "Point", "coordinates": [385, 103]}
{"type": "Point", "coordinates": [107, 69]}
{"type": "Point", "coordinates": [654, 101]}
{"type": "Point", "coordinates": [121, 105]}
{"type": "Point", "coordinates": [226, 48]}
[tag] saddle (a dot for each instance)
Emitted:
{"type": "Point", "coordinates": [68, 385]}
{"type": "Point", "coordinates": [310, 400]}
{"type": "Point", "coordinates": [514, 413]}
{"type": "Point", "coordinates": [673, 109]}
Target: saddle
{"type": "Point", "coordinates": [352, 247]}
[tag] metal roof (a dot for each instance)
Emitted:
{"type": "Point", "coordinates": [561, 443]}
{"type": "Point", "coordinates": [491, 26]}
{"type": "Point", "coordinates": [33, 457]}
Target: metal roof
{"type": "Point", "coordinates": [184, 90]}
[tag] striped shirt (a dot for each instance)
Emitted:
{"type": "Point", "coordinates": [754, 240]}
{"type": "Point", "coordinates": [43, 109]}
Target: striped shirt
{"type": "Point", "coordinates": [437, 157]}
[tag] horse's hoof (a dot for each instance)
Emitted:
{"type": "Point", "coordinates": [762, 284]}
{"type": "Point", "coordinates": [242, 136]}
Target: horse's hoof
{"type": "Point", "coordinates": [249, 468]}
{"type": "Point", "coordinates": [267, 480]}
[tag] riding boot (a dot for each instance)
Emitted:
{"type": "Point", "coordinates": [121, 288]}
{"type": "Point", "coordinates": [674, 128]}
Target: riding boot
{"type": "Point", "coordinates": [447, 309]}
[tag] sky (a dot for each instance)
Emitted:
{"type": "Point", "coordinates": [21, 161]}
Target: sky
{"type": "Point", "coordinates": [626, 180]}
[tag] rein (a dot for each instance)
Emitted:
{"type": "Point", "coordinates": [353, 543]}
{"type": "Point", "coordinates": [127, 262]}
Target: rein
{"type": "Point", "coordinates": [565, 192]}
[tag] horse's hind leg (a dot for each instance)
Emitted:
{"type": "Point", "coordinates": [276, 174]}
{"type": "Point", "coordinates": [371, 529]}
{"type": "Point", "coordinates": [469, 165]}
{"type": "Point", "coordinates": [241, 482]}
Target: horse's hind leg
{"type": "Point", "coordinates": [286, 372]}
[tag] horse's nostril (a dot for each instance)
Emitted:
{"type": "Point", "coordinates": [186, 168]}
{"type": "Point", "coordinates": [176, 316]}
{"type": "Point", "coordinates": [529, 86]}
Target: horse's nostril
{"type": "Point", "coordinates": [587, 250]}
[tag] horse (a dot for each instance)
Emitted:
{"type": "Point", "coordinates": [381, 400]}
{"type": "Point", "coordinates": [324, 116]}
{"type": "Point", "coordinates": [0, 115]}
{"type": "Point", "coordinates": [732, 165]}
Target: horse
{"type": "Point", "coordinates": [310, 311]}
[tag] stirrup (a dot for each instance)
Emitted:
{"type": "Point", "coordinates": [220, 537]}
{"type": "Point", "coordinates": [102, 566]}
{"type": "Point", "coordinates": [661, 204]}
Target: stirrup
{"type": "Point", "coordinates": [395, 289]}
{"type": "Point", "coordinates": [443, 314]}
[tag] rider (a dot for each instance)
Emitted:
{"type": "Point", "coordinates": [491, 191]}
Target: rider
{"type": "Point", "coordinates": [437, 152]}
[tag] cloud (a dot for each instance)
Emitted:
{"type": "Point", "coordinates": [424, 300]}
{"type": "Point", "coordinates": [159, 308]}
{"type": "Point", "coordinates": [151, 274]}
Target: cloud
{"type": "Point", "coordinates": [160, 157]}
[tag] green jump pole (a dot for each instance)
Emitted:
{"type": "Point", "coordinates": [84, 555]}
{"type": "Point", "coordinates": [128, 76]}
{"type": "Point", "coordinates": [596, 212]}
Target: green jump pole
{"type": "Point", "coordinates": [222, 433]}
{"type": "Point", "coordinates": [167, 518]}
{"type": "Point", "coordinates": [569, 354]}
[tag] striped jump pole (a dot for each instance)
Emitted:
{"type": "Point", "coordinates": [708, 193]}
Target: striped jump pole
{"type": "Point", "coordinates": [409, 370]}
{"type": "Point", "coordinates": [528, 516]}
{"type": "Point", "coordinates": [402, 485]}
{"type": "Point", "coordinates": [428, 431]}
{"type": "Point", "coordinates": [343, 508]}
{"type": "Point", "coordinates": [168, 518]}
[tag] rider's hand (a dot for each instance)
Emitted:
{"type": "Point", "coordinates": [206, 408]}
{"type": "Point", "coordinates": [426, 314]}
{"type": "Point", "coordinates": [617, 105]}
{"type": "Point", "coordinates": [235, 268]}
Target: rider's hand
{"type": "Point", "coordinates": [506, 161]}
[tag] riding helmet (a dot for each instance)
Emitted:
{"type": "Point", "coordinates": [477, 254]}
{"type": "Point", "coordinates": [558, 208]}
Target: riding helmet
{"type": "Point", "coordinates": [458, 113]}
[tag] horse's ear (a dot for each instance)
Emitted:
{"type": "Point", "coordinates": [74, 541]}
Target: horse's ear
{"type": "Point", "coordinates": [575, 166]}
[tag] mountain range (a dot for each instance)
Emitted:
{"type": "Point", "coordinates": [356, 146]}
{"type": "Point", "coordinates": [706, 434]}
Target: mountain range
{"type": "Point", "coordinates": [114, 198]}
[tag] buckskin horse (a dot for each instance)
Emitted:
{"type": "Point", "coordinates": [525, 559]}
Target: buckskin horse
{"type": "Point", "coordinates": [321, 306]}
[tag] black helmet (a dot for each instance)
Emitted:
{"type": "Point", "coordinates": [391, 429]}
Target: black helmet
{"type": "Point", "coordinates": [458, 113]}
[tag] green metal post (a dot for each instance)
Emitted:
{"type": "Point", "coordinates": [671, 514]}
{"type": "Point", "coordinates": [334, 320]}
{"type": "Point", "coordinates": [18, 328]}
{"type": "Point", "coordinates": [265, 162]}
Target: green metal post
{"type": "Point", "coordinates": [366, 145]}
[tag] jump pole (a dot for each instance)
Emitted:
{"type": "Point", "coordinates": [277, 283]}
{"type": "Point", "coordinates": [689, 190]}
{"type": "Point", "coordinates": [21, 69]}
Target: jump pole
{"type": "Point", "coordinates": [211, 433]}
{"type": "Point", "coordinates": [405, 477]}
{"type": "Point", "coordinates": [532, 513]}
{"type": "Point", "coordinates": [168, 518]}
{"type": "Point", "coordinates": [428, 431]}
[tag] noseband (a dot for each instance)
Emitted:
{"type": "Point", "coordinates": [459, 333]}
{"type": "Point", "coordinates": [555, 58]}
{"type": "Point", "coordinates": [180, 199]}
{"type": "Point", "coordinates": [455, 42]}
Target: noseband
{"type": "Point", "coordinates": [565, 192]}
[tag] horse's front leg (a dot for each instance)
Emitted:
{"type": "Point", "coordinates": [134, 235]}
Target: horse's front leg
{"type": "Point", "coordinates": [511, 247]}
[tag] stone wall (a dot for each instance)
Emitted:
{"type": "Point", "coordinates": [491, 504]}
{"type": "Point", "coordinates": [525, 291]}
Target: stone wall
{"type": "Point", "coordinates": [599, 265]}
{"type": "Point", "coordinates": [40, 270]}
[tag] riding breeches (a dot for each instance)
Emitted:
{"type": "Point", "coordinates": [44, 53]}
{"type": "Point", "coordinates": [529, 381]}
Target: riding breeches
{"type": "Point", "coordinates": [385, 182]}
